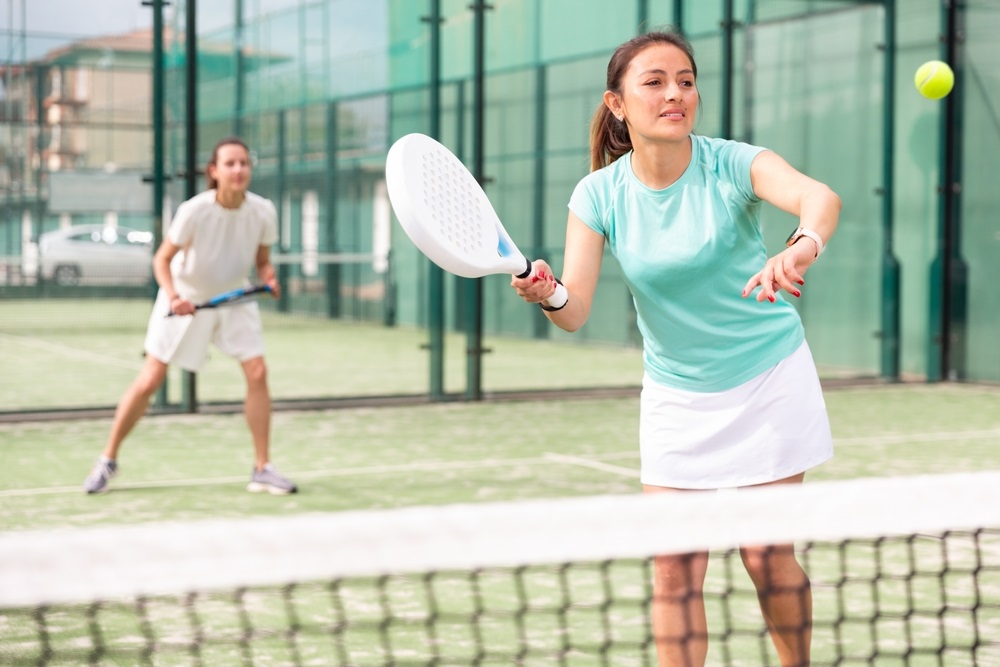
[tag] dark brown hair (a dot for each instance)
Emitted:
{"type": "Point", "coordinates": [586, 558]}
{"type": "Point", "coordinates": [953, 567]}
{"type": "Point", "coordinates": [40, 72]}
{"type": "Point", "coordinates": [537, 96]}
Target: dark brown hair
{"type": "Point", "coordinates": [228, 141]}
{"type": "Point", "coordinates": [609, 137]}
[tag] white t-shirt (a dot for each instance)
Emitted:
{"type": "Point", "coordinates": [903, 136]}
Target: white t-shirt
{"type": "Point", "coordinates": [218, 245]}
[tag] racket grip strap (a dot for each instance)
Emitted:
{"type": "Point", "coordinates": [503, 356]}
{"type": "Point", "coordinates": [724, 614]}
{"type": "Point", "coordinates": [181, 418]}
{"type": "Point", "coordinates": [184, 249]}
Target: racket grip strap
{"type": "Point", "coordinates": [557, 301]}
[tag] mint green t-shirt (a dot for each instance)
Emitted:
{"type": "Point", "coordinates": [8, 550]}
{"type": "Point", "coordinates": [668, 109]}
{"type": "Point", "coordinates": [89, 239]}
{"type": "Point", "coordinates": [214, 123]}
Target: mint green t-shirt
{"type": "Point", "coordinates": [686, 253]}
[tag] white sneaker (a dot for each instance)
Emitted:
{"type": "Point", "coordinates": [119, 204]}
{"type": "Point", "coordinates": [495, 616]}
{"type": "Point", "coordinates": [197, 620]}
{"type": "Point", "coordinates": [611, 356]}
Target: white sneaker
{"type": "Point", "coordinates": [100, 475]}
{"type": "Point", "coordinates": [271, 481]}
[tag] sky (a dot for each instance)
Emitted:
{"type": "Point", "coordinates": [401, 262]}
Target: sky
{"type": "Point", "coordinates": [51, 23]}
{"type": "Point", "coordinates": [79, 17]}
{"type": "Point", "coordinates": [102, 17]}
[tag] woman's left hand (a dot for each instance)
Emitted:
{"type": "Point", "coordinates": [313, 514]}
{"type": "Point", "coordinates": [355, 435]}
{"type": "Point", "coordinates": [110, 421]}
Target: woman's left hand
{"type": "Point", "coordinates": [784, 271]}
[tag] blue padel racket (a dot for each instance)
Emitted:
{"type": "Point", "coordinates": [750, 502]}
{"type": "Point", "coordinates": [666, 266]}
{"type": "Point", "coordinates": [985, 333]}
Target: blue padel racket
{"type": "Point", "coordinates": [229, 297]}
{"type": "Point", "coordinates": [448, 216]}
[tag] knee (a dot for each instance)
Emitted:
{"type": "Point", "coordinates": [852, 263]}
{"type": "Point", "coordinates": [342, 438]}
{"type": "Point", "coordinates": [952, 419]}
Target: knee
{"type": "Point", "coordinates": [775, 565]}
{"type": "Point", "coordinates": [148, 381]}
{"type": "Point", "coordinates": [679, 575]}
{"type": "Point", "coordinates": [256, 373]}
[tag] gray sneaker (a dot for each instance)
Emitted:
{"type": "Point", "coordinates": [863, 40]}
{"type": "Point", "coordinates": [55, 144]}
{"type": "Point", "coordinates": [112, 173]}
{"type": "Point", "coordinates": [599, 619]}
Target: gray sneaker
{"type": "Point", "coordinates": [100, 475]}
{"type": "Point", "coordinates": [271, 481]}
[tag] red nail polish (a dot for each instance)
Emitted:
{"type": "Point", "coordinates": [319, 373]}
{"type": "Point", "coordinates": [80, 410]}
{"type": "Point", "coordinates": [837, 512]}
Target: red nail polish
{"type": "Point", "coordinates": [771, 299]}
{"type": "Point", "coordinates": [797, 293]}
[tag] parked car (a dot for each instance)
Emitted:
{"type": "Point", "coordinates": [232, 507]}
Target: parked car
{"type": "Point", "coordinates": [96, 254]}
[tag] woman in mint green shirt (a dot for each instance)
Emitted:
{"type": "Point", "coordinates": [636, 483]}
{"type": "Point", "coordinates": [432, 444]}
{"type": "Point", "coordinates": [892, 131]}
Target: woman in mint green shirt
{"type": "Point", "coordinates": [731, 397]}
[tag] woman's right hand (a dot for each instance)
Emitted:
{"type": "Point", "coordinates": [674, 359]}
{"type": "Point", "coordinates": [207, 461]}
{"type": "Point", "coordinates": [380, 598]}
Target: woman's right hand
{"type": "Point", "coordinates": [181, 306]}
{"type": "Point", "coordinates": [537, 287]}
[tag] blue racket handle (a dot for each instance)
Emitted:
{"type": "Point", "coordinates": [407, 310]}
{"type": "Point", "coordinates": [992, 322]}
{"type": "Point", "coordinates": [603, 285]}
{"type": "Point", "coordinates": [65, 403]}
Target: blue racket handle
{"type": "Point", "coordinates": [231, 295]}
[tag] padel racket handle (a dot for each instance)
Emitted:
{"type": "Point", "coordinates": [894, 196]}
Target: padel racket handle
{"type": "Point", "coordinates": [559, 299]}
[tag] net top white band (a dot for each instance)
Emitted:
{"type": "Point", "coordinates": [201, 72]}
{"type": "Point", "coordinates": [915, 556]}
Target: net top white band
{"type": "Point", "coordinates": [76, 565]}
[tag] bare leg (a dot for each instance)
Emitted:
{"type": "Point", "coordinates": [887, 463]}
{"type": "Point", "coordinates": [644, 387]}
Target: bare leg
{"type": "Point", "coordinates": [134, 403]}
{"type": "Point", "coordinates": [785, 596]}
{"type": "Point", "coordinates": [257, 409]}
{"type": "Point", "coordinates": [680, 628]}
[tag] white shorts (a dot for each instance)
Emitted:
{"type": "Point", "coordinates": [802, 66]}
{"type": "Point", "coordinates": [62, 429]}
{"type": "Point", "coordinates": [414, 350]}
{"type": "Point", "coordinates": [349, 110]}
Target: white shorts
{"type": "Point", "coordinates": [184, 341]}
{"type": "Point", "coordinates": [768, 428]}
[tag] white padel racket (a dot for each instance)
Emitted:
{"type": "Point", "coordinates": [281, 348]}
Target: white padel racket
{"type": "Point", "coordinates": [448, 216]}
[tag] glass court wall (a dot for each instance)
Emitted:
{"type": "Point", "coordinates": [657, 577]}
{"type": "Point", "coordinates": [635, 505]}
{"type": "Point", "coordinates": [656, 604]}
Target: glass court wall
{"type": "Point", "coordinates": [320, 89]}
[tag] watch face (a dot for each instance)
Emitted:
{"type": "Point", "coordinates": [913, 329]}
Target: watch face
{"type": "Point", "coordinates": [792, 238]}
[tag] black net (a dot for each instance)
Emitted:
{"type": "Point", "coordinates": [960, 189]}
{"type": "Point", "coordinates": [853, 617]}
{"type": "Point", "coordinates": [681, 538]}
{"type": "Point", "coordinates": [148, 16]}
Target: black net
{"type": "Point", "coordinates": [913, 597]}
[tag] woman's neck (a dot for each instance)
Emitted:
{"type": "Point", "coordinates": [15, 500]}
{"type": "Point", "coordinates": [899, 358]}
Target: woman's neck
{"type": "Point", "coordinates": [658, 165]}
{"type": "Point", "coordinates": [229, 198]}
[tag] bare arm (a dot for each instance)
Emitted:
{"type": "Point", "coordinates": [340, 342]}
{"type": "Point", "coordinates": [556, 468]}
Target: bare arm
{"type": "Point", "coordinates": [818, 209]}
{"type": "Point", "coordinates": [581, 268]}
{"type": "Point", "coordinates": [161, 271]}
{"type": "Point", "coordinates": [265, 270]}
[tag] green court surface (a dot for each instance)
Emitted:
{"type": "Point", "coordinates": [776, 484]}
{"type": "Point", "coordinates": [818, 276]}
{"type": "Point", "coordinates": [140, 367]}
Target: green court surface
{"type": "Point", "coordinates": [196, 467]}
{"type": "Point", "coordinates": [73, 354]}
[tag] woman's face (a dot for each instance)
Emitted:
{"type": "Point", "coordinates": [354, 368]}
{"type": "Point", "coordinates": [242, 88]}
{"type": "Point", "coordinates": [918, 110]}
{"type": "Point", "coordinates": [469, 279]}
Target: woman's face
{"type": "Point", "coordinates": [659, 94]}
{"type": "Point", "coordinates": [232, 168]}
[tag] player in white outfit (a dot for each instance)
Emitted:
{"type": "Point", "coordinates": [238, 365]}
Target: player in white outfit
{"type": "Point", "coordinates": [212, 243]}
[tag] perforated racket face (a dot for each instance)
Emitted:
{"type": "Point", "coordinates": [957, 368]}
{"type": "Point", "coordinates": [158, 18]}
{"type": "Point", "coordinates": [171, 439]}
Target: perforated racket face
{"type": "Point", "coordinates": [444, 211]}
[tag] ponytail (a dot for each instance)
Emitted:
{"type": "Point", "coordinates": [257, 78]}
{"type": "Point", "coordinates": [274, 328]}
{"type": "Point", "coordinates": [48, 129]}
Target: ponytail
{"type": "Point", "coordinates": [609, 138]}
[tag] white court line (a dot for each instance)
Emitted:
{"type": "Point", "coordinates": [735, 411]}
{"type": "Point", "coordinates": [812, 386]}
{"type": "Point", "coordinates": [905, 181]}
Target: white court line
{"type": "Point", "coordinates": [71, 352]}
{"type": "Point", "coordinates": [918, 437]}
{"type": "Point", "coordinates": [593, 461]}
{"type": "Point", "coordinates": [431, 466]}
{"type": "Point", "coordinates": [594, 465]}
{"type": "Point", "coordinates": [889, 439]}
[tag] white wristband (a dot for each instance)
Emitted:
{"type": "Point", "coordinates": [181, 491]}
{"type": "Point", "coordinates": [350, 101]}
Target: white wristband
{"type": "Point", "coordinates": [808, 233]}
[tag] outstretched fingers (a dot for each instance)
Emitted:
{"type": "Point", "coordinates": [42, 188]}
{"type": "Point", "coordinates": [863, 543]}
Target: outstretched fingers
{"type": "Point", "coordinates": [779, 273]}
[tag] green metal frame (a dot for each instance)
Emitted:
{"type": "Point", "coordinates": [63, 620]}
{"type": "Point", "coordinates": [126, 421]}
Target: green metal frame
{"type": "Point", "coordinates": [949, 273]}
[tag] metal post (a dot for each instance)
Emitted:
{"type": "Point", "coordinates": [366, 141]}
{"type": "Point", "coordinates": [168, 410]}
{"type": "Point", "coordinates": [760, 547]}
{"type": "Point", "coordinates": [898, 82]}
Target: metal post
{"type": "Point", "coordinates": [158, 122]}
{"type": "Point", "coordinates": [239, 93]}
{"type": "Point", "coordinates": [726, 103]}
{"type": "Point", "coordinates": [158, 176]}
{"type": "Point", "coordinates": [333, 305]}
{"type": "Point", "coordinates": [435, 277]}
{"type": "Point", "coordinates": [189, 393]}
{"type": "Point", "coordinates": [540, 323]}
{"type": "Point", "coordinates": [949, 272]}
{"type": "Point", "coordinates": [890, 265]}
{"type": "Point", "coordinates": [282, 267]}
{"type": "Point", "coordinates": [474, 314]}
{"type": "Point", "coordinates": [748, 71]}
{"type": "Point", "coordinates": [461, 284]}
{"type": "Point", "coordinates": [41, 77]}
{"type": "Point", "coordinates": [8, 85]}
{"type": "Point", "coordinates": [956, 272]}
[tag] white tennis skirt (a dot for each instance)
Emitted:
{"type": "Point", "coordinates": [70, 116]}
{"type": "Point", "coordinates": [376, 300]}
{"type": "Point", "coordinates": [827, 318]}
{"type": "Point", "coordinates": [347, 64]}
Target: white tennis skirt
{"type": "Point", "coordinates": [768, 428]}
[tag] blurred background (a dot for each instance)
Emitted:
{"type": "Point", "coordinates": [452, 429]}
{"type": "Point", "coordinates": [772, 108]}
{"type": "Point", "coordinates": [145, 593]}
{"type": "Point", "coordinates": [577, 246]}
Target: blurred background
{"type": "Point", "coordinates": [107, 118]}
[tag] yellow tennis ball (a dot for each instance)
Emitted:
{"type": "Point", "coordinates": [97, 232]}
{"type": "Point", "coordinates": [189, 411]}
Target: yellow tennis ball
{"type": "Point", "coordinates": [934, 79]}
